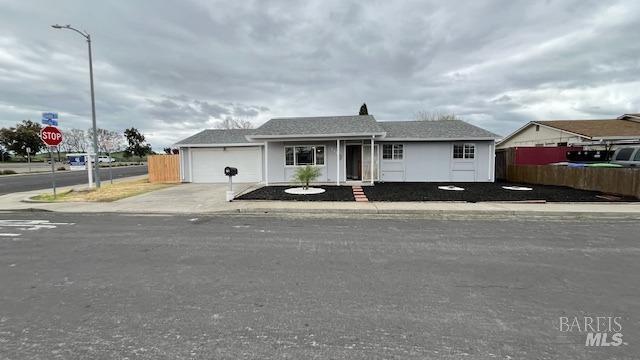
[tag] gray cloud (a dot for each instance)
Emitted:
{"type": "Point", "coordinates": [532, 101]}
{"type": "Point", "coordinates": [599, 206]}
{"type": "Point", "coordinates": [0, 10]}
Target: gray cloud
{"type": "Point", "coordinates": [174, 67]}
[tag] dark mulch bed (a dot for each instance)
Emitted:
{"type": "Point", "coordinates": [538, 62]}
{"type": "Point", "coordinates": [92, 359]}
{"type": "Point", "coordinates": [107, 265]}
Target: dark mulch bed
{"type": "Point", "coordinates": [332, 193]}
{"type": "Point", "coordinates": [475, 192]}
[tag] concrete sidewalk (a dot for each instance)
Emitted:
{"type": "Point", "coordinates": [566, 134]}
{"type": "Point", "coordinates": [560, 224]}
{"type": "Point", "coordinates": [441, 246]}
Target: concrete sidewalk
{"type": "Point", "coordinates": [210, 199]}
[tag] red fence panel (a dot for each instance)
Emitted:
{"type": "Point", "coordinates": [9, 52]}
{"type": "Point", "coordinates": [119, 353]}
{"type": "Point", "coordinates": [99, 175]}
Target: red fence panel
{"type": "Point", "coordinates": [540, 155]}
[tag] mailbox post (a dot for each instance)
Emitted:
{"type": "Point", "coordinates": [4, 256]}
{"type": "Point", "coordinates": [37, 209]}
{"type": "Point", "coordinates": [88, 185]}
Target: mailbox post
{"type": "Point", "coordinates": [230, 172]}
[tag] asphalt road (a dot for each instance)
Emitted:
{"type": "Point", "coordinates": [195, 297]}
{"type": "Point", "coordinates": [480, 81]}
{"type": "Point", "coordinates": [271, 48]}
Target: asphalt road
{"type": "Point", "coordinates": [180, 287]}
{"type": "Point", "coordinates": [19, 183]}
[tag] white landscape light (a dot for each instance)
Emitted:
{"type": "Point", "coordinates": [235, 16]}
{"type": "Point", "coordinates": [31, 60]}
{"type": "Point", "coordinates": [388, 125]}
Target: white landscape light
{"type": "Point", "coordinates": [450, 188]}
{"type": "Point", "coordinates": [517, 188]}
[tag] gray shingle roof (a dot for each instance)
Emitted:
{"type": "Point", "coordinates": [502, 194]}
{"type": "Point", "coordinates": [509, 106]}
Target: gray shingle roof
{"type": "Point", "coordinates": [434, 130]}
{"type": "Point", "coordinates": [319, 126]}
{"type": "Point", "coordinates": [343, 125]}
{"type": "Point", "coordinates": [218, 136]}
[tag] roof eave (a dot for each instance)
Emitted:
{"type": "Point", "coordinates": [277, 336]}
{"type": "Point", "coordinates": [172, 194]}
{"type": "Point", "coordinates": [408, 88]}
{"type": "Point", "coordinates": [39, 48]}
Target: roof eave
{"type": "Point", "coordinates": [443, 139]}
{"type": "Point", "coordinates": [178, 145]}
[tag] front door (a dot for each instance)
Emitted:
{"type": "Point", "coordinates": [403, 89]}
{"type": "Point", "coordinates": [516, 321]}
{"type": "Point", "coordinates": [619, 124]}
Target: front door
{"type": "Point", "coordinates": [353, 162]}
{"type": "Point", "coordinates": [366, 162]}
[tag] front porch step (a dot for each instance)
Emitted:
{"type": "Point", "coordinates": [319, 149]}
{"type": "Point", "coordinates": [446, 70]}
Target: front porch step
{"type": "Point", "coordinates": [359, 194]}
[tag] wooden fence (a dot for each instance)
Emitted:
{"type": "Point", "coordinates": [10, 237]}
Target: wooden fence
{"type": "Point", "coordinates": [608, 180]}
{"type": "Point", "coordinates": [164, 168]}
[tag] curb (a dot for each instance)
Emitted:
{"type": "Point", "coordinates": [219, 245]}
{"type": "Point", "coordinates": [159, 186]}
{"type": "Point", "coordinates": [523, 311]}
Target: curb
{"type": "Point", "coordinates": [346, 213]}
{"type": "Point", "coordinates": [478, 214]}
{"type": "Point", "coordinates": [425, 214]}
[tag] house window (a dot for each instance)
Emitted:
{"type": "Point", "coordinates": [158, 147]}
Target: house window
{"type": "Point", "coordinates": [319, 155]}
{"type": "Point", "coordinates": [304, 155]}
{"type": "Point", "coordinates": [392, 151]}
{"type": "Point", "coordinates": [288, 156]}
{"type": "Point", "coordinates": [561, 144]}
{"type": "Point", "coordinates": [537, 127]}
{"type": "Point", "coordinates": [469, 151]}
{"type": "Point", "coordinates": [464, 151]}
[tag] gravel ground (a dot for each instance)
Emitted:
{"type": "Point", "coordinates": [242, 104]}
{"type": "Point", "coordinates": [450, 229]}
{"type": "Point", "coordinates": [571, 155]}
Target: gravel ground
{"type": "Point", "coordinates": [332, 193]}
{"type": "Point", "coordinates": [476, 191]}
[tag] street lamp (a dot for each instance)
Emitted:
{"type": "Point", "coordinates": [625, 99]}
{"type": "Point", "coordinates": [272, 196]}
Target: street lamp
{"type": "Point", "coordinates": [93, 101]}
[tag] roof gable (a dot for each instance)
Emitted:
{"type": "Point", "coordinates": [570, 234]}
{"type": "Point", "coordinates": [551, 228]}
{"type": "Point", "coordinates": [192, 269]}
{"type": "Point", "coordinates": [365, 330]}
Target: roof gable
{"type": "Point", "coordinates": [321, 126]}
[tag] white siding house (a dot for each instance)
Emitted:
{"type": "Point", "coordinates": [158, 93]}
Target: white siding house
{"type": "Point", "coordinates": [346, 148]}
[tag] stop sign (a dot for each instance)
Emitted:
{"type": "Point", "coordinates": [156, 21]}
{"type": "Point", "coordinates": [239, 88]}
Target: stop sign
{"type": "Point", "coordinates": [51, 135]}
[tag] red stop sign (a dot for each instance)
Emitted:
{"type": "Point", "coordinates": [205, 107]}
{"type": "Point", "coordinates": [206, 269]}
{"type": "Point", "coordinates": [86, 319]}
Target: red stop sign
{"type": "Point", "coordinates": [51, 135]}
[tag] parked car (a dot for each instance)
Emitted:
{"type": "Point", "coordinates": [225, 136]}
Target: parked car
{"type": "Point", "coordinates": [627, 156]}
{"type": "Point", "coordinates": [104, 159]}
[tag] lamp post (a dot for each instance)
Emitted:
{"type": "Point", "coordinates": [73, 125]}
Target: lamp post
{"type": "Point", "coordinates": [93, 101]}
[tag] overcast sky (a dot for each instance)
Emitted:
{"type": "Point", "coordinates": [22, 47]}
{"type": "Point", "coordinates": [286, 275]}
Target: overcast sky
{"type": "Point", "coordinates": [172, 68]}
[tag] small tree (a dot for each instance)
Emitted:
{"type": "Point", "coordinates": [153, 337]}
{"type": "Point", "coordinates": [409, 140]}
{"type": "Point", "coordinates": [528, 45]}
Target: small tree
{"type": "Point", "coordinates": [307, 174]}
{"type": "Point", "coordinates": [363, 109]}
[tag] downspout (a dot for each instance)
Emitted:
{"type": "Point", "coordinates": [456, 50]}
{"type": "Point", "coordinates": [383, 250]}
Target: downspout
{"type": "Point", "coordinates": [372, 136]}
{"type": "Point", "coordinates": [338, 162]}
{"type": "Point", "coordinates": [266, 163]}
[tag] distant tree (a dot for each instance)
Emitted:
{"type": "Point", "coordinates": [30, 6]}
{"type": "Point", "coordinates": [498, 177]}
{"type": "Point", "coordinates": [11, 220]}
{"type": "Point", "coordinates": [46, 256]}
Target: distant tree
{"type": "Point", "coordinates": [435, 116]}
{"type": "Point", "coordinates": [25, 135]}
{"type": "Point", "coordinates": [137, 145]}
{"type": "Point", "coordinates": [234, 123]}
{"type": "Point", "coordinates": [74, 140]}
{"type": "Point", "coordinates": [4, 154]}
{"type": "Point", "coordinates": [363, 109]}
{"type": "Point", "coordinates": [108, 141]}
{"type": "Point", "coordinates": [170, 151]}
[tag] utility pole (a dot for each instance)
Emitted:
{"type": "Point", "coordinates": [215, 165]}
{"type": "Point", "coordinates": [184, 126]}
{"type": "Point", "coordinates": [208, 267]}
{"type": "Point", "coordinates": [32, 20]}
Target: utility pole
{"type": "Point", "coordinates": [93, 101]}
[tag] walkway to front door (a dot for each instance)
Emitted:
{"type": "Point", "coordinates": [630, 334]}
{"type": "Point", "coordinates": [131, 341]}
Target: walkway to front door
{"type": "Point", "coordinates": [359, 194]}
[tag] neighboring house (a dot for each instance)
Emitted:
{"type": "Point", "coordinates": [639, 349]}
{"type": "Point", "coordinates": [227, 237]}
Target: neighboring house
{"type": "Point", "coordinates": [346, 148]}
{"type": "Point", "coordinates": [567, 132]}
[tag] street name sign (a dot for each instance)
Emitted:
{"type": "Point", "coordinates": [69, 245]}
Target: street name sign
{"type": "Point", "coordinates": [50, 118]}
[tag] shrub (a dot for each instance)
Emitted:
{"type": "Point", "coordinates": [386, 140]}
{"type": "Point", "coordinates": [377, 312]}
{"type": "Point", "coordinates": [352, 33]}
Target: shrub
{"type": "Point", "coordinates": [7, 172]}
{"type": "Point", "coordinates": [307, 174]}
{"type": "Point", "coordinates": [61, 168]}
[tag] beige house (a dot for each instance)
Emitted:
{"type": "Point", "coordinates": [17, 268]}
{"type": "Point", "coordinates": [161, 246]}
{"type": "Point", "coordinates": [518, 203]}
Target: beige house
{"type": "Point", "coordinates": [567, 132]}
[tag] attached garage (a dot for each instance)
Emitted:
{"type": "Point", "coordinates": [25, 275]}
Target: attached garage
{"type": "Point", "coordinates": [205, 155]}
{"type": "Point", "coordinates": [209, 163]}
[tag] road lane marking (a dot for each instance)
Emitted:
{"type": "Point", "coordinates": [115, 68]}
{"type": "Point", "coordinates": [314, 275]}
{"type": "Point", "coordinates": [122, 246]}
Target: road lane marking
{"type": "Point", "coordinates": [27, 225]}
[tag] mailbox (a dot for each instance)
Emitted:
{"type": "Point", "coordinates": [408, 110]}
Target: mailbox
{"type": "Point", "coordinates": [230, 171]}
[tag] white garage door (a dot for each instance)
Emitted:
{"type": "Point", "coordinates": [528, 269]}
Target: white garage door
{"type": "Point", "coordinates": [208, 164]}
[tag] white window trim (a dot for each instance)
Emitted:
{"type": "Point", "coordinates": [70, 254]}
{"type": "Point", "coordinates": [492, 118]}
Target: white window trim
{"type": "Point", "coordinates": [463, 158]}
{"type": "Point", "coordinates": [392, 152]}
{"type": "Point", "coordinates": [314, 156]}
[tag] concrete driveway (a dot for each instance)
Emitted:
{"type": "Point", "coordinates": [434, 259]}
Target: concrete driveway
{"type": "Point", "coordinates": [182, 198]}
